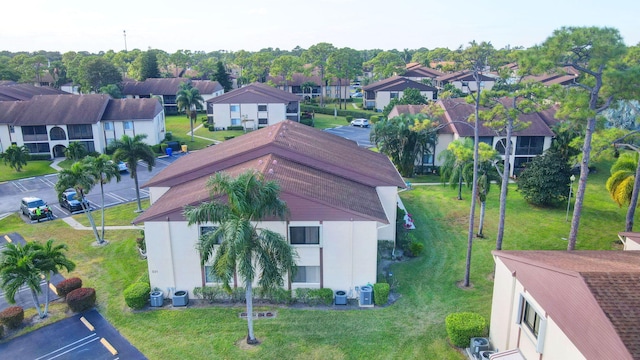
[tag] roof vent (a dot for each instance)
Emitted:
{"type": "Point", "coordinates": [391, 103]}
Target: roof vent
{"type": "Point", "coordinates": [270, 171]}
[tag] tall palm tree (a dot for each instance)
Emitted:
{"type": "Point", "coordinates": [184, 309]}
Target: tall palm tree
{"type": "Point", "coordinates": [49, 260]}
{"type": "Point", "coordinates": [131, 150]}
{"type": "Point", "coordinates": [16, 157]}
{"type": "Point", "coordinates": [17, 268]}
{"type": "Point", "coordinates": [245, 248]}
{"type": "Point", "coordinates": [455, 158]}
{"type": "Point", "coordinates": [79, 178]}
{"type": "Point", "coordinates": [103, 170]}
{"type": "Point", "coordinates": [622, 184]}
{"type": "Point", "coordinates": [189, 99]}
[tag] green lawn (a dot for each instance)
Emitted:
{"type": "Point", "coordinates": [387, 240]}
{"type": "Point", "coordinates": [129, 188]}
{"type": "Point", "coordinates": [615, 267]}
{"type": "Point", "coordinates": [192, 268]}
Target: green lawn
{"type": "Point", "coordinates": [413, 327]}
{"type": "Point", "coordinates": [179, 127]}
{"type": "Point", "coordinates": [113, 216]}
{"type": "Point", "coordinates": [33, 168]}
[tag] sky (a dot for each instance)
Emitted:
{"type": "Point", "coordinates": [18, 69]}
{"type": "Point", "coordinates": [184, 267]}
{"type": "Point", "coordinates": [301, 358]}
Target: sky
{"type": "Point", "coordinates": [199, 25]}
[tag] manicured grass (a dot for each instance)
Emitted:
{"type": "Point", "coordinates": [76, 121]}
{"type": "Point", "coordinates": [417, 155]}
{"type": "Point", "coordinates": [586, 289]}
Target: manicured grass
{"type": "Point", "coordinates": [33, 168]}
{"type": "Point", "coordinates": [179, 127]}
{"type": "Point", "coordinates": [322, 121]}
{"type": "Point", "coordinates": [113, 216]}
{"type": "Point", "coordinates": [218, 135]}
{"type": "Point", "coordinates": [413, 327]}
{"type": "Point", "coordinates": [66, 164]}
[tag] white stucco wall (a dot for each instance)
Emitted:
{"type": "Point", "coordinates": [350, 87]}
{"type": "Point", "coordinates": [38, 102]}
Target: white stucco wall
{"type": "Point", "coordinates": [222, 114]}
{"type": "Point", "coordinates": [631, 245]}
{"type": "Point", "coordinates": [506, 333]}
{"type": "Point", "coordinates": [389, 198]}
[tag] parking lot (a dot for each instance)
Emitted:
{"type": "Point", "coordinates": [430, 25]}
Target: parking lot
{"type": "Point", "coordinates": [357, 134]}
{"type": "Point", "coordinates": [82, 336]}
{"type": "Point", "coordinates": [44, 187]}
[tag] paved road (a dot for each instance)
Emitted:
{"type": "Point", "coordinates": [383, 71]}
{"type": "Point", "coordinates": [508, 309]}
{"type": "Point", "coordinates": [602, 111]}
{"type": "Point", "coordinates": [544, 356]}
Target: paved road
{"type": "Point", "coordinates": [43, 187]}
{"type": "Point", "coordinates": [357, 134]}
{"type": "Point", "coordinates": [83, 336]}
{"type": "Point", "coordinates": [23, 297]}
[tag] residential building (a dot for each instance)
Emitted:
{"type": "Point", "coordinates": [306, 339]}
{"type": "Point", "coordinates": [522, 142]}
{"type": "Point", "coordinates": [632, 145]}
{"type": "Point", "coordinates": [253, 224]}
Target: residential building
{"type": "Point", "coordinates": [465, 81]}
{"type": "Point", "coordinates": [167, 88]}
{"type": "Point", "coordinates": [566, 305]}
{"type": "Point", "coordinates": [333, 88]}
{"type": "Point", "coordinates": [253, 106]}
{"type": "Point", "coordinates": [342, 200]}
{"type": "Point", "coordinates": [526, 144]}
{"type": "Point", "coordinates": [630, 240]}
{"type": "Point", "coordinates": [379, 94]}
{"type": "Point", "coordinates": [422, 74]}
{"type": "Point", "coordinates": [47, 124]}
{"type": "Point", "coordinates": [11, 91]}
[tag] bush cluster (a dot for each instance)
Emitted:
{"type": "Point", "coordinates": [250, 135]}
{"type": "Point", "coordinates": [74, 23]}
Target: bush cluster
{"type": "Point", "coordinates": [81, 299]}
{"type": "Point", "coordinates": [330, 111]}
{"type": "Point", "coordinates": [237, 127]}
{"type": "Point", "coordinates": [11, 317]}
{"type": "Point", "coordinates": [461, 327]}
{"type": "Point", "coordinates": [313, 297]}
{"type": "Point", "coordinates": [137, 295]}
{"type": "Point", "coordinates": [39, 157]}
{"type": "Point", "coordinates": [217, 294]}
{"type": "Point", "coordinates": [308, 122]}
{"type": "Point", "coordinates": [66, 286]}
{"type": "Point", "coordinates": [381, 293]}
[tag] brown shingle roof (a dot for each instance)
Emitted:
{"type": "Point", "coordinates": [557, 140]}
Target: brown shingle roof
{"type": "Point", "coordinates": [457, 109]}
{"type": "Point", "coordinates": [321, 175]}
{"type": "Point", "coordinates": [255, 93]}
{"type": "Point", "coordinates": [12, 92]}
{"type": "Point", "coordinates": [56, 110]}
{"type": "Point", "coordinates": [464, 75]}
{"type": "Point", "coordinates": [132, 109]}
{"type": "Point", "coordinates": [398, 110]}
{"type": "Point", "coordinates": [397, 83]}
{"type": "Point", "coordinates": [593, 296]}
{"type": "Point", "coordinates": [167, 86]}
{"type": "Point", "coordinates": [418, 70]}
{"type": "Point", "coordinates": [299, 79]}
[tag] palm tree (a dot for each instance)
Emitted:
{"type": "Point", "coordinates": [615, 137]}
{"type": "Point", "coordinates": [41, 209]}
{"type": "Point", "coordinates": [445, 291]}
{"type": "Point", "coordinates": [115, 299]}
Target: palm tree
{"type": "Point", "coordinates": [131, 150]}
{"type": "Point", "coordinates": [622, 184]}
{"type": "Point", "coordinates": [103, 170]}
{"type": "Point", "coordinates": [79, 177]}
{"type": "Point", "coordinates": [487, 173]}
{"type": "Point", "coordinates": [75, 151]}
{"type": "Point", "coordinates": [17, 268]}
{"type": "Point", "coordinates": [49, 260]}
{"type": "Point", "coordinates": [245, 248]}
{"type": "Point", "coordinates": [16, 157]}
{"type": "Point", "coordinates": [455, 158]}
{"type": "Point", "coordinates": [189, 99]}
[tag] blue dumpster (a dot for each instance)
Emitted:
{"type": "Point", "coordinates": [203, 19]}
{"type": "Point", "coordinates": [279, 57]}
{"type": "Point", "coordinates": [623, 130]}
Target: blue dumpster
{"type": "Point", "coordinates": [169, 151]}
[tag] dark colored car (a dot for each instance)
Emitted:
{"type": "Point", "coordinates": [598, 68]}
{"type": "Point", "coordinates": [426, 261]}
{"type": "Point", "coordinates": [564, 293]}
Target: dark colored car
{"type": "Point", "coordinates": [69, 201]}
{"type": "Point", "coordinates": [28, 206]}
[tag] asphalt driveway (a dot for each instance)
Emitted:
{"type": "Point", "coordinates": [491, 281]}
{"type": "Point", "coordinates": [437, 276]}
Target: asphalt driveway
{"type": "Point", "coordinates": [357, 134]}
{"type": "Point", "coordinates": [83, 336]}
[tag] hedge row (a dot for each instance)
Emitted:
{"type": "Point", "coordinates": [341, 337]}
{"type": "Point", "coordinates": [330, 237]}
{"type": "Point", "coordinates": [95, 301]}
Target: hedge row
{"type": "Point", "coordinates": [381, 293]}
{"type": "Point", "coordinates": [11, 317]}
{"type": "Point", "coordinates": [137, 295]}
{"type": "Point", "coordinates": [81, 299]}
{"type": "Point", "coordinates": [461, 327]}
{"type": "Point", "coordinates": [68, 285]}
{"type": "Point", "coordinates": [340, 112]}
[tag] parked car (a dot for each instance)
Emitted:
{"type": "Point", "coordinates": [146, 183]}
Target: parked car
{"type": "Point", "coordinates": [356, 95]}
{"type": "Point", "coordinates": [122, 166]}
{"type": "Point", "coordinates": [69, 201]}
{"type": "Point", "coordinates": [360, 122]}
{"type": "Point", "coordinates": [28, 206]}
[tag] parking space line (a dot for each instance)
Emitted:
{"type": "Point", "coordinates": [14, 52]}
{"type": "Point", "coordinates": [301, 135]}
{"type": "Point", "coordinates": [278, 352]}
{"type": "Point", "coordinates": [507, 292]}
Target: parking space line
{"type": "Point", "coordinates": [47, 182]}
{"type": "Point", "coordinates": [163, 162]}
{"type": "Point", "coordinates": [94, 336]}
{"type": "Point", "coordinates": [19, 186]}
{"type": "Point", "coordinates": [143, 191]}
{"type": "Point", "coordinates": [53, 288]}
{"type": "Point", "coordinates": [87, 324]}
{"type": "Point", "coordinates": [6, 237]}
{"type": "Point", "coordinates": [109, 347]}
{"type": "Point", "coordinates": [117, 197]}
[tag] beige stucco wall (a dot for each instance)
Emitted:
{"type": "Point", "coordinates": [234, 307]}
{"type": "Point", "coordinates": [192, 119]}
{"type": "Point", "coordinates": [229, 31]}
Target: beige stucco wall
{"type": "Point", "coordinates": [5, 138]}
{"type": "Point", "coordinates": [349, 254]}
{"type": "Point", "coordinates": [222, 114]}
{"type": "Point", "coordinates": [631, 245]}
{"type": "Point", "coordinates": [389, 199]}
{"type": "Point", "coordinates": [506, 333]}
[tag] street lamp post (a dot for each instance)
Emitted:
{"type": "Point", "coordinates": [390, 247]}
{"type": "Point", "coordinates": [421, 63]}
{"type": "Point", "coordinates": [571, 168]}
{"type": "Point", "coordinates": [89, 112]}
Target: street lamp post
{"type": "Point", "coordinates": [572, 178]}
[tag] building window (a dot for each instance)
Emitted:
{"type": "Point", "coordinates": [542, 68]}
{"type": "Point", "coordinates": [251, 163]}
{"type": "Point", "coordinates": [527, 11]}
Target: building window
{"type": "Point", "coordinates": [128, 125]}
{"type": "Point", "coordinates": [34, 133]}
{"type": "Point", "coordinates": [57, 133]}
{"type": "Point", "coordinates": [206, 230]}
{"type": "Point", "coordinates": [262, 107]}
{"type": "Point", "coordinates": [262, 121]}
{"type": "Point", "coordinates": [531, 318]}
{"type": "Point", "coordinates": [501, 146]}
{"type": "Point", "coordinates": [108, 126]}
{"type": "Point", "coordinates": [307, 274]}
{"type": "Point", "coordinates": [486, 139]}
{"type": "Point", "coordinates": [394, 95]}
{"type": "Point", "coordinates": [12, 129]}
{"type": "Point", "coordinates": [210, 276]}
{"type": "Point", "coordinates": [236, 122]}
{"type": "Point", "coordinates": [529, 145]}
{"type": "Point", "coordinates": [80, 132]}
{"type": "Point", "coordinates": [234, 108]}
{"type": "Point", "coordinates": [304, 235]}
{"type": "Point", "coordinates": [88, 145]}
{"type": "Point", "coordinates": [534, 323]}
{"type": "Point", "coordinates": [38, 148]}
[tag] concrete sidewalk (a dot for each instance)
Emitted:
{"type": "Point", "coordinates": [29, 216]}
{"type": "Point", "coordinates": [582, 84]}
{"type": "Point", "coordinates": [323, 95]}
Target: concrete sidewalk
{"type": "Point", "coordinates": [77, 226]}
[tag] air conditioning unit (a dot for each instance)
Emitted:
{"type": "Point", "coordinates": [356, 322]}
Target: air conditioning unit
{"type": "Point", "coordinates": [478, 344]}
{"type": "Point", "coordinates": [484, 355]}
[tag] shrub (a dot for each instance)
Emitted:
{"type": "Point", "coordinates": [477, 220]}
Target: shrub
{"type": "Point", "coordinates": [380, 293]}
{"type": "Point", "coordinates": [39, 157]}
{"type": "Point", "coordinates": [374, 119]}
{"type": "Point", "coordinates": [228, 137]}
{"type": "Point", "coordinates": [210, 293]}
{"type": "Point", "coordinates": [415, 248]}
{"type": "Point", "coordinates": [66, 286]}
{"type": "Point", "coordinates": [463, 326]}
{"type": "Point", "coordinates": [168, 136]}
{"type": "Point", "coordinates": [137, 295]}
{"type": "Point", "coordinates": [12, 317]}
{"type": "Point", "coordinates": [275, 296]}
{"type": "Point", "coordinates": [237, 127]}
{"type": "Point", "coordinates": [308, 122]}
{"type": "Point", "coordinates": [314, 297]}
{"type": "Point", "coordinates": [349, 118]}
{"type": "Point", "coordinates": [211, 127]}
{"type": "Point", "coordinates": [156, 149]}
{"type": "Point", "coordinates": [81, 299]}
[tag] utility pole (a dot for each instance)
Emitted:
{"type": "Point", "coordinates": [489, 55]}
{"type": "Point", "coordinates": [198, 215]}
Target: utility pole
{"type": "Point", "coordinates": [125, 39]}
